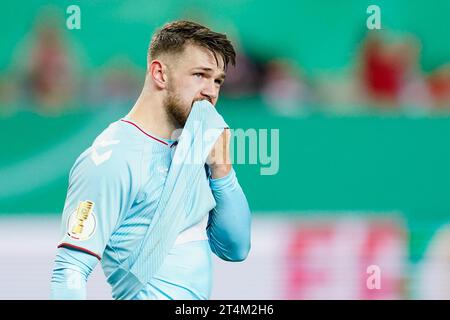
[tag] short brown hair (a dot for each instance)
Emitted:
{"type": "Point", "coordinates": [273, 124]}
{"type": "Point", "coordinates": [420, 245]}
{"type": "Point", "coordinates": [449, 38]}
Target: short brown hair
{"type": "Point", "coordinates": [173, 37]}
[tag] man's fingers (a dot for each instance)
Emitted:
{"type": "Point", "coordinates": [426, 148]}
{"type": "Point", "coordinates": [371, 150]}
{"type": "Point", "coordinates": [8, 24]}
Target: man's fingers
{"type": "Point", "coordinates": [220, 152]}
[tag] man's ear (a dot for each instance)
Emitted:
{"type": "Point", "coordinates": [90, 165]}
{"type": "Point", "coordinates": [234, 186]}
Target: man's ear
{"type": "Point", "coordinates": [158, 73]}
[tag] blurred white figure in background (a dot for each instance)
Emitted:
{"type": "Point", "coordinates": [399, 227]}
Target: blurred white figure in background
{"type": "Point", "coordinates": [434, 277]}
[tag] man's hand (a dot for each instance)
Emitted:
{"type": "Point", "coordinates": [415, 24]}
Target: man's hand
{"type": "Point", "coordinates": [219, 157]}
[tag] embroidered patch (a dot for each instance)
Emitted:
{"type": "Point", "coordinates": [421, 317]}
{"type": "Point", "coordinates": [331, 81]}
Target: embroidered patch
{"type": "Point", "coordinates": [81, 224]}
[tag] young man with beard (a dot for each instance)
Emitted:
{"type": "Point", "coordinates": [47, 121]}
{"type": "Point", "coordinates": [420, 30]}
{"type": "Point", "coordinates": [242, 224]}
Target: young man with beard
{"type": "Point", "coordinates": [116, 184]}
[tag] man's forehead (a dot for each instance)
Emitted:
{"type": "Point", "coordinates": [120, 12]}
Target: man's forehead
{"type": "Point", "coordinates": [197, 56]}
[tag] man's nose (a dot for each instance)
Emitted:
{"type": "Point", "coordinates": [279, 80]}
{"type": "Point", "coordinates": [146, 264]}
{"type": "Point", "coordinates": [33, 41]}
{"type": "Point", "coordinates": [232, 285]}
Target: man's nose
{"type": "Point", "coordinates": [210, 92]}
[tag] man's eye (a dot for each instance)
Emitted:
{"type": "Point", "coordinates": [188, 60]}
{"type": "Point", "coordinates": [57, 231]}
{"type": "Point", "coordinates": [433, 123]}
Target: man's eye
{"type": "Point", "coordinates": [200, 75]}
{"type": "Point", "coordinates": [219, 82]}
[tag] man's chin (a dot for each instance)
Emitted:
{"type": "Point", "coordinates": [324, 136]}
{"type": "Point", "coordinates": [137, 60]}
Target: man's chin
{"type": "Point", "coordinates": [181, 119]}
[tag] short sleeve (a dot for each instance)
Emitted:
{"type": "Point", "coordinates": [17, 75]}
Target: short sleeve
{"type": "Point", "coordinates": [98, 196]}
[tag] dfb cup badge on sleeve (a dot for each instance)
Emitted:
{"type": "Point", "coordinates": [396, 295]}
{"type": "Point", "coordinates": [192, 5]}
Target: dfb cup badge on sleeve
{"type": "Point", "coordinates": [82, 223]}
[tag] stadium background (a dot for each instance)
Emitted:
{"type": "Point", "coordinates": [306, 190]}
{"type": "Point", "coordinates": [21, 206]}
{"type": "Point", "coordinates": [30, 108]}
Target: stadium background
{"type": "Point", "coordinates": [363, 174]}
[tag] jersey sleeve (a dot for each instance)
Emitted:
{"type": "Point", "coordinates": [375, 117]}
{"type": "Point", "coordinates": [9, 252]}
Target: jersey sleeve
{"type": "Point", "coordinates": [229, 223]}
{"type": "Point", "coordinates": [70, 273]}
{"type": "Point", "coordinates": [100, 193]}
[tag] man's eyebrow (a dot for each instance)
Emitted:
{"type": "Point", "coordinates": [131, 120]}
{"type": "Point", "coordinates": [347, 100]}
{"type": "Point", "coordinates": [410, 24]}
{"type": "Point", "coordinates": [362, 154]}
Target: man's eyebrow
{"type": "Point", "coordinates": [207, 69]}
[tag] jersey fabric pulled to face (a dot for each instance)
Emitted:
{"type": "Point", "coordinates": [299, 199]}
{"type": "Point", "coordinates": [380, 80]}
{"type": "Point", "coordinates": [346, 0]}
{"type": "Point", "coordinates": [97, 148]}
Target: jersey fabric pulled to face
{"type": "Point", "coordinates": [114, 189]}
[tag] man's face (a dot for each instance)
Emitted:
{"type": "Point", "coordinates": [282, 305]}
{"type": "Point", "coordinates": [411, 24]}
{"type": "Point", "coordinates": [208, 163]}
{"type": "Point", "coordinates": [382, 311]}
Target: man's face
{"type": "Point", "coordinates": [193, 75]}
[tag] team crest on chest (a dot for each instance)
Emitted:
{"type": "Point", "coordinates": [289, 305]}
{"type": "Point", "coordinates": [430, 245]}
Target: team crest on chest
{"type": "Point", "coordinates": [82, 223]}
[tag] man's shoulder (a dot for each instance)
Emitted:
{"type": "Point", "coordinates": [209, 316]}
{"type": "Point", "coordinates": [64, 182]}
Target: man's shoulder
{"type": "Point", "coordinates": [114, 149]}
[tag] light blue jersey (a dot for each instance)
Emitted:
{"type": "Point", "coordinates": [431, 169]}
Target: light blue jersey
{"type": "Point", "coordinates": [114, 189]}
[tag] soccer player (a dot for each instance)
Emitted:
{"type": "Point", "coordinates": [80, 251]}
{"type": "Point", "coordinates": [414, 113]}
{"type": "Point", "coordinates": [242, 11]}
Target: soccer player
{"type": "Point", "coordinates": [115, 185]}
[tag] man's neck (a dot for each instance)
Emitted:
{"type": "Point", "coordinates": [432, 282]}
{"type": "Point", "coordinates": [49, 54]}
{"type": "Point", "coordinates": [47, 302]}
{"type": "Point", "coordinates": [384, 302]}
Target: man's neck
{"type": "Point", "coordinates": [150, 114]}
